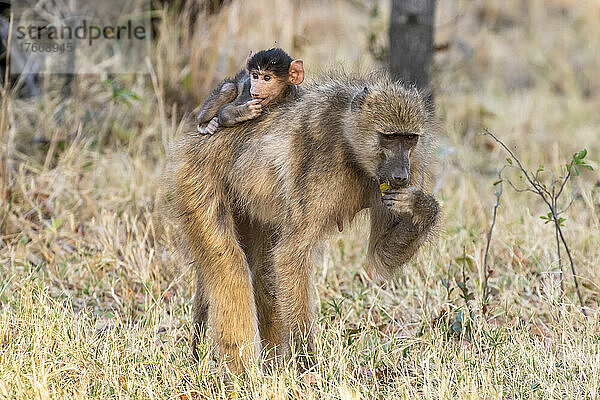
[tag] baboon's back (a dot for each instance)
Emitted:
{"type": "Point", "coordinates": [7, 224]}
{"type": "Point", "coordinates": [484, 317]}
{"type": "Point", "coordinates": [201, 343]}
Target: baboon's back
{"type": "Point", "coordinates": [293, 160]}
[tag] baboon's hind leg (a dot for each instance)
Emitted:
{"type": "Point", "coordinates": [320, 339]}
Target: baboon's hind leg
{"type": "Point", "coordinates": [269, 322]}
{"type": "Point", "coordinates": [294, 270]}
{"type": "Point", "coordinates": [257, 242]}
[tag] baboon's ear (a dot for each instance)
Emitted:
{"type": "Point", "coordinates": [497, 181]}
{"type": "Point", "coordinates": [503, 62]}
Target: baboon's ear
{"type": "Point", "coordinates": [359, 99]}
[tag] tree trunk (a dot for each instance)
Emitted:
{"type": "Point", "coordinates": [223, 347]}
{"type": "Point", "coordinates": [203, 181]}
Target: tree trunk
{"type": "Point", "coordinates": [411, 41]}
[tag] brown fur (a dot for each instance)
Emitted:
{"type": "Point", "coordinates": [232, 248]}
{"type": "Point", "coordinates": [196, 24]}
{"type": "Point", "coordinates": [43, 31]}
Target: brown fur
{"type": "Point", "coordinates": [255, 203]}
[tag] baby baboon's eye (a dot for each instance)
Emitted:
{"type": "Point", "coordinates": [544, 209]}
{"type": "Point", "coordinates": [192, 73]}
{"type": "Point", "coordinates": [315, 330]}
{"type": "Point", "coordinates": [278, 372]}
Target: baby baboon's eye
{"type": "Point", "coordinates": [254, 75]}
{"type": "Point", "coordinates": [267, 77]}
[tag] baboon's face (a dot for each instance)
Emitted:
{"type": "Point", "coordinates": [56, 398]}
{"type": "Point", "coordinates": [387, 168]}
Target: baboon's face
{"type": "Point", "coordinates": [392, 121]}
{"type": "Point", "coordinates": [396, 147]}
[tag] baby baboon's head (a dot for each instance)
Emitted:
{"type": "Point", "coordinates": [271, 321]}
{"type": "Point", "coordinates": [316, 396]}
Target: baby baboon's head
{"type": "Point", "coordinates": [388, 122]}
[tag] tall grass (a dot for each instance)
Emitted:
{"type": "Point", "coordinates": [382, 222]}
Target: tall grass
{"type": "Point", "coordinates": [95, 304]}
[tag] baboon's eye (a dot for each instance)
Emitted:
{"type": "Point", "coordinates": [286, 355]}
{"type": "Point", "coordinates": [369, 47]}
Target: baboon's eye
{"type": "Point", "coordinates": [267, 77]}
{"type": "Point", "coordinates": [395, 136]}
{"type": "Point", "coordinates": [254, 75]}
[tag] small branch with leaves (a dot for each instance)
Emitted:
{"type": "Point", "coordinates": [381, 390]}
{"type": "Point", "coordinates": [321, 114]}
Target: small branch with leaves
{"type": "Point", "coordinates": [550, 195]}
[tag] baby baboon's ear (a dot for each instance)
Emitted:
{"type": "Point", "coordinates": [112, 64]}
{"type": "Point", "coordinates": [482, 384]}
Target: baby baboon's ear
{"type": "Point", "coordinates": [359, 99]}
{"type": "Point", "coordinates": [296, 72]}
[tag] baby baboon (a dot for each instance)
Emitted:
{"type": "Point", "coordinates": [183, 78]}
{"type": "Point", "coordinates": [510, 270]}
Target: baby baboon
{"type": "Point", "coordinates": [270, 78]}
{"type": "Point", "coordinates": [254, 207]}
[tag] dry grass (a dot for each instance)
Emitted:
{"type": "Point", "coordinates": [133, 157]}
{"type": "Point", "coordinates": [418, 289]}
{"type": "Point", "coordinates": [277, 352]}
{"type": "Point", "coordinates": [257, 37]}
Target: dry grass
{"type": "Point", "coordinates": [93, 303]}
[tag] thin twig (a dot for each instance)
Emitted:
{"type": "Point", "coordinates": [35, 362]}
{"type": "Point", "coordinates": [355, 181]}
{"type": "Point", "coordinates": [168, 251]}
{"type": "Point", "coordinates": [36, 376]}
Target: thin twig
{"type": "Point", "coordinates": [575, 280]}
{"type": "Point", "coordinates": [568, 205]}
{"type": "Point", "coordinates": [518, 190]}
{"type": "Point", "coordinates": [560, 265]}
{"type": "Point", "coordinates": [554, 214]}
{"type": "Point", "coordinates": [565, 179]}
{"type": "Point", "coordinates": [489, 239]}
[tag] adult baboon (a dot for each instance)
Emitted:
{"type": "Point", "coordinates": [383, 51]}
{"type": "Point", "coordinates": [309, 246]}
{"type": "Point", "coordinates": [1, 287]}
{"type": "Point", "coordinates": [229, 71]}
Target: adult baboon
{"type": "Point", "coordinates": [253, 204]}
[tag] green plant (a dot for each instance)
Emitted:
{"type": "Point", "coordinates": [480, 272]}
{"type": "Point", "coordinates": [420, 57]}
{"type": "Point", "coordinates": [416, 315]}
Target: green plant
{"type": "Point", "coordinates": [550, 194]}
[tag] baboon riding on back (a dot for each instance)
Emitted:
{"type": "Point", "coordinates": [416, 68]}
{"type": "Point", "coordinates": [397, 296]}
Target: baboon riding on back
{"type": "Point", "coordinates": [253, 203]}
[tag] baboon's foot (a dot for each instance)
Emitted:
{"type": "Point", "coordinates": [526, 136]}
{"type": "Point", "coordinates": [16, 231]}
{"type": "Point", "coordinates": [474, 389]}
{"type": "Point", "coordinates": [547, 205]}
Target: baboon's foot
{"type": "Point", "coordinates": [212, 126]}
{"type": "Point", "coordinates": [305, 356]}
{"type": "Point", "coordinates": [198, 335]}
{"type": "Point", "coordinates": [238, 342]}
{"type": "Point", "coordinates": [238, 359]}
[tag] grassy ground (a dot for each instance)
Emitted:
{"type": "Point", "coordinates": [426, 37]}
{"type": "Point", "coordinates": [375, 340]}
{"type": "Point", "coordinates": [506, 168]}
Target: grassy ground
{"type": "Point", "coordinates": [94, 304]}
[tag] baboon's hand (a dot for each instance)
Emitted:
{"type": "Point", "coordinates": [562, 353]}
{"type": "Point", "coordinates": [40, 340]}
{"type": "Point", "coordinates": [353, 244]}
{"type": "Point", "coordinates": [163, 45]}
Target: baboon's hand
{"type": "Point", "coordinates": [422, 207]}
{"type": "Point", "coordinates": [253, 107]}
{"type": "Point", "coordinates": [400, 200]}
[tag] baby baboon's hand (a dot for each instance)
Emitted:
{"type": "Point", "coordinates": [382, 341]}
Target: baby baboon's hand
{"type": "Point", "coordinates": [254, 108]}
{"type": "Point", "coordinates": [422, 207]}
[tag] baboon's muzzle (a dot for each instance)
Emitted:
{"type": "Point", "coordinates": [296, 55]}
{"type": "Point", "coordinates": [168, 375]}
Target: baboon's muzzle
{"type": "Point", "coordinates": [400, 177]}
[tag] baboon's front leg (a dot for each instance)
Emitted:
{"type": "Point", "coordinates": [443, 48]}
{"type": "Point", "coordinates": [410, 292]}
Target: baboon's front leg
{"type": "Point", "coordinates": [400, 223]}
{"type": "Point", "coordinates": [293, 272]}
{"type": "Point", "coordinates": [233, 114]}
{"type": "Point", "coordinates": [224, 284]}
